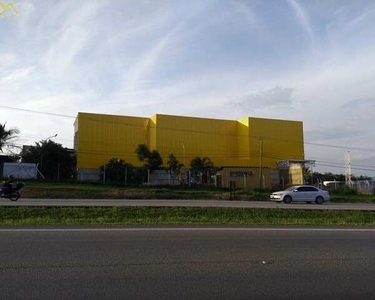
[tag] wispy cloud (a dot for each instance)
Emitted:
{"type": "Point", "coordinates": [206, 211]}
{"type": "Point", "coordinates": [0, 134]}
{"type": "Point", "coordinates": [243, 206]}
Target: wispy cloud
{"type": "Point", "coordinates": [303, 20]}
{"type": "Point", "coordinates": [144, 65]}
{"type": "Point", "coordinates": [17, 75]}
{"type": "Point", "coordinates": [249, 13]}
{"type": "Point", "coordinates": [277, 96]}
{"type": "Point", "coordinates": [333, 133]}
{"type": "Point", "coordinates": [74, 35]}
{"type": "Point", "coordinates": [357, 104]}
{"type": "Point", "coordinates": [359, 19]}
{"type": "Point", "coordinates": [7, 59]}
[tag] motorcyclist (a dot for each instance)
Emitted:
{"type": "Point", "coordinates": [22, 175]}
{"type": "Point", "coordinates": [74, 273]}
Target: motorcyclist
{"type": "Point", "coordinates": [6, 186]}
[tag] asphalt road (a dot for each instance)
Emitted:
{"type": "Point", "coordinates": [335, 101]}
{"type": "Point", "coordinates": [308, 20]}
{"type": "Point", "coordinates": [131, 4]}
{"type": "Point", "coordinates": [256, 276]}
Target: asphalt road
{"type": "Point", "coordinates": [186, 203]}
{"type": "Point", "coordinates": [187, 263]}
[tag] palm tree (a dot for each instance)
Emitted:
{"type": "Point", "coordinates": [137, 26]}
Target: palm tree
{"type": "Point", "coordinates": [174, 166]}
{"type": "Point", "coordinates": [7, 137]}
{"type": "Point", "coordinates": [201, 167]}
{"type": "Point", "coordinates": [143, 152]}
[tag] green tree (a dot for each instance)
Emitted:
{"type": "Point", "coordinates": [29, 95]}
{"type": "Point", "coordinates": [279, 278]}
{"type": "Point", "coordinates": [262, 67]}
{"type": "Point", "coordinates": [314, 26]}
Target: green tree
{"type": "Point", "coordinates": [143, 152]}
{"type": "Point", "coordinates": [329, 176]}
{"type": "Point", "coordinates": [174, 167]}
{"type": "Point", "coordinates": [55, 161]}
{"type": "Point", "coordinates": [118, 171]}
{"type": "Point", "coordinates": [201, 169]}
{"type": "Point", "coordinates": [7, 137]}
{"type": "Point", "coordinates": [152, 159]}
{"type": "Point", "coordinates": [362, 177]}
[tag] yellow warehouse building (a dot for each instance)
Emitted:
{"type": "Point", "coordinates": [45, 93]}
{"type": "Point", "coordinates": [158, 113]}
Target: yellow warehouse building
{"type": "Point", "coordinates": [254, 145]}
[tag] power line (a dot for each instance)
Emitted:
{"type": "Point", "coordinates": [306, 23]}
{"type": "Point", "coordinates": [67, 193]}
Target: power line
{"type": "Point", "coordinates": [340, 147]}
{"type": "Point", "coordinates": [197, 131]}
{"type": "Point", "coordinates": [36, 112]}
{"type": "Point", "coordinates": [213, 157]}
{"type": "Point", "coordinates": [343, 167]}
{"type": "Point", "coordinates": [235, 135]}
{"type": "Point", "coordinates": [322, 162]}
{"type": "Point", "coordinates": [343, 164]}
{"type": "Point", "coordinates": [38, 137]}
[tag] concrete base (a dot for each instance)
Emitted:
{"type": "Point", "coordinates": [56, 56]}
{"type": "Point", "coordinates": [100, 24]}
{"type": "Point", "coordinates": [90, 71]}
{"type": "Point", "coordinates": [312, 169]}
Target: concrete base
{"type": "Point", "coordinates": [90, 175]}
{"type": "Point", "coordinates": [161, 177]}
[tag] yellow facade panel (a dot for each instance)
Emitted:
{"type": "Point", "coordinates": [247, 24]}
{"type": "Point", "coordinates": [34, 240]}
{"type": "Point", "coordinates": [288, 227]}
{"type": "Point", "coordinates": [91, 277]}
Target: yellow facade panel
{"type": "Point", "coordinates": [187, 138]}
{"type": "Point", "coordinates": [275, 140]}
{"type": "Point", "coordinates": [101, 137]}
{"type": "Point", "coordinates": [226, 142]}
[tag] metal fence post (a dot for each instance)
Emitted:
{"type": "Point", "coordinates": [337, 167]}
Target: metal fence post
{"type": "Point", "coordinates": [104, 175]}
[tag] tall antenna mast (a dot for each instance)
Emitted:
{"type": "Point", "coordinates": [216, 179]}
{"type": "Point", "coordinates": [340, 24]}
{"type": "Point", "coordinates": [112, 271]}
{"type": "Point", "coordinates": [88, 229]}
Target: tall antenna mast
{"type": "Point", "coordinates": [348, 170]}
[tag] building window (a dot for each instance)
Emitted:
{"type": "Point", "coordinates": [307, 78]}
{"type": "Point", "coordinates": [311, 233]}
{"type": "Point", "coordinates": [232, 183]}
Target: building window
{"type": "Point", "coordinates": [238, 174]}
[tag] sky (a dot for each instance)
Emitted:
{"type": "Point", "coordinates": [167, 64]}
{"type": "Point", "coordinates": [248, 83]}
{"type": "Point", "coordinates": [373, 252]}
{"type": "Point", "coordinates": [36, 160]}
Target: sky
{"type": "Point", "coordinates": [311, 61]}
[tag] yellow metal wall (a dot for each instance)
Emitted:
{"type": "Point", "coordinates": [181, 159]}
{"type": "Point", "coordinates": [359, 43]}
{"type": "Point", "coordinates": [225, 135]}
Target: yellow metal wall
{"type": "Point", "coordinates": [243, 140]}
{"type": "Point", "coordinates": [225, 142]}
{"type": "Point", "coordinates": [216, 139]}
{"type": "Point", "coordinates": [281, 140]}
{"type": "Point", "coordinates": [101, 137]}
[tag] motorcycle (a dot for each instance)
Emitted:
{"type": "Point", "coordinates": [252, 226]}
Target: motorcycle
{"type": "Point", "coordinates": [11, 192]}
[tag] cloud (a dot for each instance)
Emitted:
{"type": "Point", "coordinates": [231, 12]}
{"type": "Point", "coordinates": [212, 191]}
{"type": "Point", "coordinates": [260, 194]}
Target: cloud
{"type": "Point", "coordinates": [333, 133]}
{"type": "Point", "coordinates": [249, 13]}
{"type": "Point", "coordinates": [16, 76]}
{"type": "Point", "coordinates": [359, 19]}
{"type": "Point", "coordinates": [358, 104]}
{"type": "Point", "coordinates": [303, 19]}
{"type": "Point", "coordinates": [7, 59]}
{"type": "Point", "coordinates": [73, 36]}
{"type": "Point", "coordinates": [144, 65]}
{"type": "Point", "coordinates": [278, 96]}
{"type": "Point", "coordinates": [360, 110]}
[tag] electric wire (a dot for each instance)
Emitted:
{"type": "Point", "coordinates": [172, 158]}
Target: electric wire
{"type": "Point", "coordinates": [194, 131]}
{"type": "Point", "coordinates": [213, 155]}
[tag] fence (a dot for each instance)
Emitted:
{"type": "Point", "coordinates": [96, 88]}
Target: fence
{"type": "Point", "coordinates": [140, 176]}
{"type": "Point", "coordinates": [364, 187]}
{"type": "Point", "coordinates": [132, 177]}
{"type": "Point", "coordinates": [360, 186]}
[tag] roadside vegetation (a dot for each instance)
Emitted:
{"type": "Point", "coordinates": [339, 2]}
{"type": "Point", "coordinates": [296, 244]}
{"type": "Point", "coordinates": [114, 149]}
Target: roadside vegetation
{"type": "Point", "coordinates": [38, 189]}
{"type": "Point", "coordinates": [179, 215]}
{"type": "Point", "coordinates": [97, 191]}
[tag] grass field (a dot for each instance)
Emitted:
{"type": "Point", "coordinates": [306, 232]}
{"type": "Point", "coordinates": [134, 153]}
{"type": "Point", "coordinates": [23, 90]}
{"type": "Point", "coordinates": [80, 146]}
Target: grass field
{"type": "Point", "coordinates": [171, 215]}
{"type": "Point", "coordinates": [98, 191]}
{"type": "Point", "coordinates": [179, 215]}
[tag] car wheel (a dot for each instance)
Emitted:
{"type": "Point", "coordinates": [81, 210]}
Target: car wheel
{"type": "Point", "coordinates": [308, 202]}
{"type": "Point", "coordinates": [319, 200]}
{"type": "Point", "coordinates": [287, 199]}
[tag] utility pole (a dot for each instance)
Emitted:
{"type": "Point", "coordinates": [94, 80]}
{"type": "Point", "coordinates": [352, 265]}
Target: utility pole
{"type": "Point", "coordinates": [183, 148]}
{"type": "Point", "coordinates": [104, 174]}
{"type": "Point", "coordinates": [348, 170]}
{"type": "Point", "coordinates": [260, 161]}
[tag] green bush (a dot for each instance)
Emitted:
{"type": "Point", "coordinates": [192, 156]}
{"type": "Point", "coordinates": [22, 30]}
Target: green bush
{"type": "Point", "coordinates": [344, 190]}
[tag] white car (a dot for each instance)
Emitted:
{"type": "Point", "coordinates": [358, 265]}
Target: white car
{"type": "Point", "coordinates": [301, 193]}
